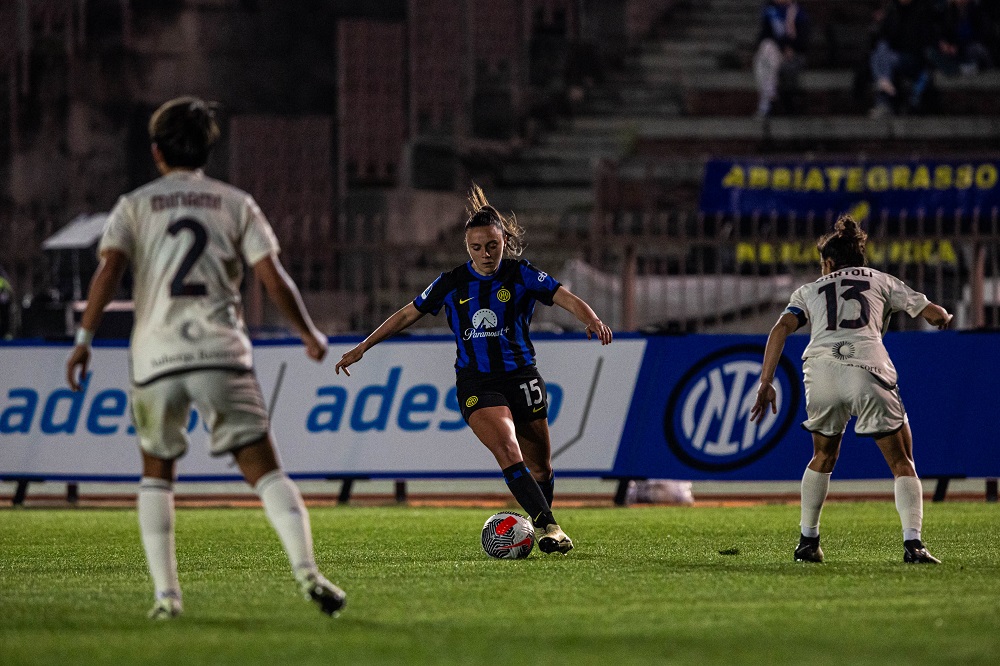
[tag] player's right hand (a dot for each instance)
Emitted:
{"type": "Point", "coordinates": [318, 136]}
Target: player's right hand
{"type": "Point", "coordinates": [350, 357]}
{"type": "Point", "coordinates": [316, 345]}
{"type": "Point", "coordinates": [766, 395]}
{"type": "Point", "coordinates": [76, 366]}
{"type": "Point", "coordinates": [601, 330]}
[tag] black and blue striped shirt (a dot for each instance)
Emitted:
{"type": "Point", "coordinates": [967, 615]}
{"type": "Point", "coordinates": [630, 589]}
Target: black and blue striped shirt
{"type": "Point", "coordinates": [490, 315]}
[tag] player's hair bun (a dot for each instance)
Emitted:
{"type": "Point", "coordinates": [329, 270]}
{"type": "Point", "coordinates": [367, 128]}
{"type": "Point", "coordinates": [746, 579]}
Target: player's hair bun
{"type": "Point", "coordinates": [845, 245]}
{"type": "Point", "coordinates": [847, 227]}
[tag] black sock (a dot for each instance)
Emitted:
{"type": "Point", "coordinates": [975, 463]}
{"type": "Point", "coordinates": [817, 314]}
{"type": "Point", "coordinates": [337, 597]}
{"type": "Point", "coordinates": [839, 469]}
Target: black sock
{"type": "Point", "coordinates": [525, 490]}
{"type": "Point", "coordinates": [548, 488]}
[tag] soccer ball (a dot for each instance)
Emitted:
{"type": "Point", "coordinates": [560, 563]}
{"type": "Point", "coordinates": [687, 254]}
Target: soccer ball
{"type": "Point", "coordinates": [508, 536]}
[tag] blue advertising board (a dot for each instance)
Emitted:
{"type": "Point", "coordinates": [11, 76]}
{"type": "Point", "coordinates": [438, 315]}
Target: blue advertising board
{"type": "Point", "coordinates": [746, 186]}
{"type": "Point", "coordinates": [644, 407]}
{"type": "Point", "coordinates": [689, 418]}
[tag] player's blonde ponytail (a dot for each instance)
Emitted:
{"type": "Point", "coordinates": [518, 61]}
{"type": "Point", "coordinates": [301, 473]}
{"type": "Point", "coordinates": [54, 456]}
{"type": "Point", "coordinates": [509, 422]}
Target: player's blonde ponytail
{"type": "Point", "coordinates": [482, 214]}
{"type": "Point", "coordinates": [845, 245]}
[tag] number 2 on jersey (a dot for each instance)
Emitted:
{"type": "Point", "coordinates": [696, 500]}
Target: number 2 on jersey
{"type": "Point", "coordinates": [853, 293]}
{"type": "Point", "coordinates": [177, 285]}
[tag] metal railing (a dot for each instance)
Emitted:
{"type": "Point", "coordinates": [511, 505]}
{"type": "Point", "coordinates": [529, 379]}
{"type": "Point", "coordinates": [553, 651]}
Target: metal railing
{"type": "Point", "coordinates": [677, 271]}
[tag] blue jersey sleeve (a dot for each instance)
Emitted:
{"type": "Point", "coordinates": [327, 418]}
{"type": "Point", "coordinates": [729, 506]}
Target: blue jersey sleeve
{"type": "Point", "coordinates": [539, 284]}
{"type": "Point", "coordinates": [432, 298]}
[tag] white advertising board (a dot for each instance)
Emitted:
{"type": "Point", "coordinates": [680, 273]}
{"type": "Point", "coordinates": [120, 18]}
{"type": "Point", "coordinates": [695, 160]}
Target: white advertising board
{"type": "Point", "coordinates": [395, 415]}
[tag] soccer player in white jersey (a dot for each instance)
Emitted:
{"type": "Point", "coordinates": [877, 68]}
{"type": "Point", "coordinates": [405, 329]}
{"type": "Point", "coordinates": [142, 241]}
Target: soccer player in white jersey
{"type": "Point", "coordinates": [847, 372]}
{"type": "Point", "coordinates": [186, 237]}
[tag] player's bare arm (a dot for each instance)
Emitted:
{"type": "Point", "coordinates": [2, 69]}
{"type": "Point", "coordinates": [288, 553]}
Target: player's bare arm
{"type": "Point", "coordinates": [935, 315]}
{"type": "Point", "coordinates": [285, 294]}
{"type": "Point", "coordinates": [766, 396]}
{"type": "Point", "coordinates": [576, 306]}
{"type": "Point", "coordinates": [103, 286]}
{"type": "Point", "coordinates": [400, 320]}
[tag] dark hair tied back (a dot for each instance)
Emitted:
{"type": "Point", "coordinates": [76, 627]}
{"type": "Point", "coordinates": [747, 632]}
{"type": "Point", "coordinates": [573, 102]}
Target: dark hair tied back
{"type": "Point", "coordinates": [845, 245]}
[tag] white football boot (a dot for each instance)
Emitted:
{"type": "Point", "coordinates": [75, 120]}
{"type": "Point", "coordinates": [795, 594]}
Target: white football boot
{"type": "Point", "coordinates": [165, 608]}
{"type": "Point", "coordinates": [330, 598]}
{"type": "Point", "coordinates": [552, 539]}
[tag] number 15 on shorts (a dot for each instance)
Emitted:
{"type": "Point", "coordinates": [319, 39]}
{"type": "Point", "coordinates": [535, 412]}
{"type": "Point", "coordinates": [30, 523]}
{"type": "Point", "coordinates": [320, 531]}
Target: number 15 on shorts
{"type": "Point", "coordinates": [532, 393]}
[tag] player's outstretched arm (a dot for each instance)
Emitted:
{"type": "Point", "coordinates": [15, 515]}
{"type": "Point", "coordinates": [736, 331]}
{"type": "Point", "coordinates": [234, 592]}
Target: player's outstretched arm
{"type": "Point", "coordinates": [576, 306]}
{"type": "Point", "coordinates": [400, 319]}
{"type": "Point", "coordinates": [103, 286]}
{"type": "Point", "coordinates": [766, 395]}
{"type": "Point", "coordinates": [935, 315]}
{"type": "Point", "coordinates": [285, 294]}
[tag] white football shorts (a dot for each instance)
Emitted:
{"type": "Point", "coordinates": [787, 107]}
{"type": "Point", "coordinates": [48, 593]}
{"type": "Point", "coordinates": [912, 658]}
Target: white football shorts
{"type": "Point", "coordinates": [835, 392]}
{"type": "Point", "coordinates": [229, 401]}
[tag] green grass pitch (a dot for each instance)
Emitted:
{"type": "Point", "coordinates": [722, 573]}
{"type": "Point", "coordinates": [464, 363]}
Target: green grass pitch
{"type": "Point", "coordinates": [643, 586]}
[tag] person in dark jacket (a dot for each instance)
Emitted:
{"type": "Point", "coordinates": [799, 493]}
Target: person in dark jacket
{"type": "Point", "coordinates": [962, 31]}
{"type": "Point", "coordinates": [902, 39]}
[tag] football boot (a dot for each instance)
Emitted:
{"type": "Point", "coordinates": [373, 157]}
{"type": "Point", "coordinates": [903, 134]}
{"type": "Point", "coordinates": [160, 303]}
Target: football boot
{"type": "Point", "coordinates": [914, 552]}
{"type": "Point", "coordinates": [808, 550]}
{"type": "Point", "coordinates": [551, 539]}
{"type": "Point", "coordinates": [165, 608]}
{"type": "Point", "coordinates": [330, 598]}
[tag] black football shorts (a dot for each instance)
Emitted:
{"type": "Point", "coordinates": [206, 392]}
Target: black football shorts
{"type": "Point", "coordinates": [522, 391]}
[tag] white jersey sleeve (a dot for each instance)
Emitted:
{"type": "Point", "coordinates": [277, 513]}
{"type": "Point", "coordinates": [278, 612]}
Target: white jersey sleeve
{"type": "Point", "coordinates": [797, 306]}
{"type": "Point", "coordinates": [259, 240]}
{"type": "Point", "coordinates": [119, 230]}
{"type": "Point", "coordinates": [904, 299]}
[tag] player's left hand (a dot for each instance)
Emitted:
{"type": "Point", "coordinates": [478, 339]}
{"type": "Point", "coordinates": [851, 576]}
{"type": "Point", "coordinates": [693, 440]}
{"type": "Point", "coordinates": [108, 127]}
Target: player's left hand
{"type": "Point", "coordinates": [76, 366]}
{"type": "Point", "coordinates": [601, 330]}
{"type": "Point", "coordinates": [316, 345]}
{"type": "Point", "coordinates": [350, 357]}
{"type": "Point", "coordinates": [766, 395]}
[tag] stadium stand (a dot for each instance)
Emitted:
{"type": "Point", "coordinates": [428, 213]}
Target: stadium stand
{"type": "Point", "coordinates": [371, 70]}
{"type": "Point", "coordinates": [582, 117]}
{"type": "Point", "coordinates": [288, 164]}
{"type": "Point", "coordinates": [686, 93]}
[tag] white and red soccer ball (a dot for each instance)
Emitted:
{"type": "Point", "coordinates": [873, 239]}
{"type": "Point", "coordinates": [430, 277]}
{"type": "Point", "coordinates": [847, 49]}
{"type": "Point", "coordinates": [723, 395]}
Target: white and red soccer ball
{"type": "Point", "coordinates": [508, 536]}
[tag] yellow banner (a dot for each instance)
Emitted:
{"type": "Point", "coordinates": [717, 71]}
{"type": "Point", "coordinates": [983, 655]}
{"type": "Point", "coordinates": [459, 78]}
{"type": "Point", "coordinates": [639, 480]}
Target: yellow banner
{"type": "Point", "coordinates": [932, 252]}
{"type": "Point", "coordinates": [879, 178]}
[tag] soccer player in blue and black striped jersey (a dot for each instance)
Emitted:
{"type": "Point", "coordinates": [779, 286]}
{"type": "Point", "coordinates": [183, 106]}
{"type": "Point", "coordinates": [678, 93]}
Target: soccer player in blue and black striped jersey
{"type": "Point", "coordinates": [489, 301]}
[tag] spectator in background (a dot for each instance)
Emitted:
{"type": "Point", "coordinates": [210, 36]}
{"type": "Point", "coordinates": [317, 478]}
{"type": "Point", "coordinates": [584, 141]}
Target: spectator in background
{"type": "Point", "coordinates": [990, 13]}
{"type": "Point", "coordinates": [780, 57]}
{"type": "Point", "coordinates": [962, 35]}
{"type": "Point", "coordinates": [903, 36]}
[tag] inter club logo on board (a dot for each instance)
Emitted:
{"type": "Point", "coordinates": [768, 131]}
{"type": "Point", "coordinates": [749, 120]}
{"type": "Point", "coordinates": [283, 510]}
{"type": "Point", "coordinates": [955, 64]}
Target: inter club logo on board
{"type": "Point", "coordinates": [707, 419]}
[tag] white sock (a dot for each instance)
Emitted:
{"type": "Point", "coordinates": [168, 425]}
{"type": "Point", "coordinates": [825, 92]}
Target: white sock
{"type": "Point", "coordinates": [284, 508]}
{"type": "Point", "coordinates": [156, 524]}
{"type": "Point", "coordinates": [814, 488]}
{"type": "Point", "coordinates": [910, 505]}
